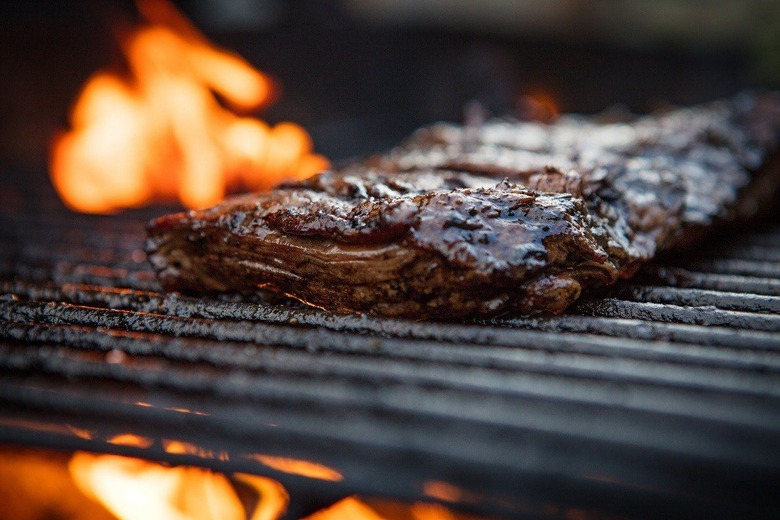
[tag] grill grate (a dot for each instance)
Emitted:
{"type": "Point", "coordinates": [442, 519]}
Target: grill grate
{"type": "Point", "coordinates": [658, 397]}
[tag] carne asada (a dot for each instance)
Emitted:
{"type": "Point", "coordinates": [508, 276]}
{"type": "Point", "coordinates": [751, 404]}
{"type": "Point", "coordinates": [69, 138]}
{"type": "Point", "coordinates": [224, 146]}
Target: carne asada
{"type": "Point", "coordinates": [508, 217]}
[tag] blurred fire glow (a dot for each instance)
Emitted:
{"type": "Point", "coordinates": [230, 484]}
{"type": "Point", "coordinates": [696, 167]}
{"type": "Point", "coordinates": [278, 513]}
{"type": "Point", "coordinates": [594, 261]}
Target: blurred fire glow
{"type": "Point", "coordinates": [160, 132]}
{"type": "Point", "coordinates": [38, 484]}
{"type": "Point", "coordinates": [135, 489]}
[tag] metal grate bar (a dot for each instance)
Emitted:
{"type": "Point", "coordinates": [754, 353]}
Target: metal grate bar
{"type": "Point", "coordinates": [467, 402]}
{"type": "Point", "coordinates": [744, 340]}
{"type": "Point", "coordinates": [85, 238]}
{"type": "Point", "coordinates": [609, 368]}
{"type": "Point", "coordinates": [582, 357]}
{"type": "Point", "coordinates": [717, 282]}
{"type": "Point", "coordinates": [77, 273]}
{"type": "Point", "coordinates": [701, 298]}
{"type": "Point", "coordinates": [123, 299]}
{"type": "Point", "coordinates": [52, 254]}
{"type": "Point", "coordinates": [467, 367]}
{"type": "Point", "coordinates": [255, 317]}
{"type": "Point", "coordinates": [758, 268]}
{"type": "Point", "coordinates": [612, 307]}
{"type": "Point", "coordinates": [769, 238]}
{"type": "Point", "coordinates": [766, 252]}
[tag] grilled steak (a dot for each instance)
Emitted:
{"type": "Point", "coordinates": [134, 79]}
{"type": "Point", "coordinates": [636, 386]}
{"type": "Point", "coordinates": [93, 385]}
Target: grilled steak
{"type": "Point", "coordinates": [462, 221]}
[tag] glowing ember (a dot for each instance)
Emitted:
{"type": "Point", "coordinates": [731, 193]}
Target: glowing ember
{"type": "Point", "coordinates": [538, 106]}
{"type": "Point", "coordinates": [134, 489]}
{"type": "Point", "coordinates": [161, 133]}
{"type": "Point", "coordinates": [186, 448]}
{"type": "Point", "coordinates": [303, 468]}
{"type": "Point", "coordinates": [130, 439]}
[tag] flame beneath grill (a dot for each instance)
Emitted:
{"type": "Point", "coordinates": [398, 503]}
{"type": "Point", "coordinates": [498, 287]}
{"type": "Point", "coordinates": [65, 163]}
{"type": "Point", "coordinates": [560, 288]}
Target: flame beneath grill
{"type": "Point", "coordinates": [161, 133]}
{"type": "Point", "coordinates": [357, 508]}
{"type": "Point", "coordinates": [350, 507]}
{"type": "Point", "coordinates": [135, 489]}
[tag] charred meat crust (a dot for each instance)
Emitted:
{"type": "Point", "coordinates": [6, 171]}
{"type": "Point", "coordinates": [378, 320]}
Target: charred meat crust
{"type": "Point", "coordinates": [516, 217]}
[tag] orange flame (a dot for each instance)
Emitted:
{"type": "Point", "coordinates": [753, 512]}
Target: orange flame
{"type": "Point", "coordinates": [358, 508]}
{"type": "Point", "coordinates": [135, 489]}
{"type": "Point", "coordinates": [350, 507]}
{"type": "Point", "coordinates": [162, 133]}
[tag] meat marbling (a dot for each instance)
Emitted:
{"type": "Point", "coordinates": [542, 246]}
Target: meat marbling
{"type": "Point", "coordinates": [461, 221]}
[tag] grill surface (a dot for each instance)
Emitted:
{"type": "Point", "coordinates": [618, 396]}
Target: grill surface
{"type": "Point", "coordinates": [659, 397]}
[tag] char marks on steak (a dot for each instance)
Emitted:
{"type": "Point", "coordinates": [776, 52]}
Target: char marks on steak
{"type": "Point", "coordinates": [516, 216]}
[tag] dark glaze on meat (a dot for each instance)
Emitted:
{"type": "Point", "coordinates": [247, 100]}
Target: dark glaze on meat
{"type": "Point", "coordinates": [460, 222]}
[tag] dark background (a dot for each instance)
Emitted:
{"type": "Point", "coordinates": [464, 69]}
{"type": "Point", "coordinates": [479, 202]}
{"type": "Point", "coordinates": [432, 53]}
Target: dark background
{"type": "Point", "coordinates": [362, 74]}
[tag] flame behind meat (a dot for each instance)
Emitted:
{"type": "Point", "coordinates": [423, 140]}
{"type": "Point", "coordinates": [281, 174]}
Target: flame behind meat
{"type": "Point", "coordinates": [166, 131]}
